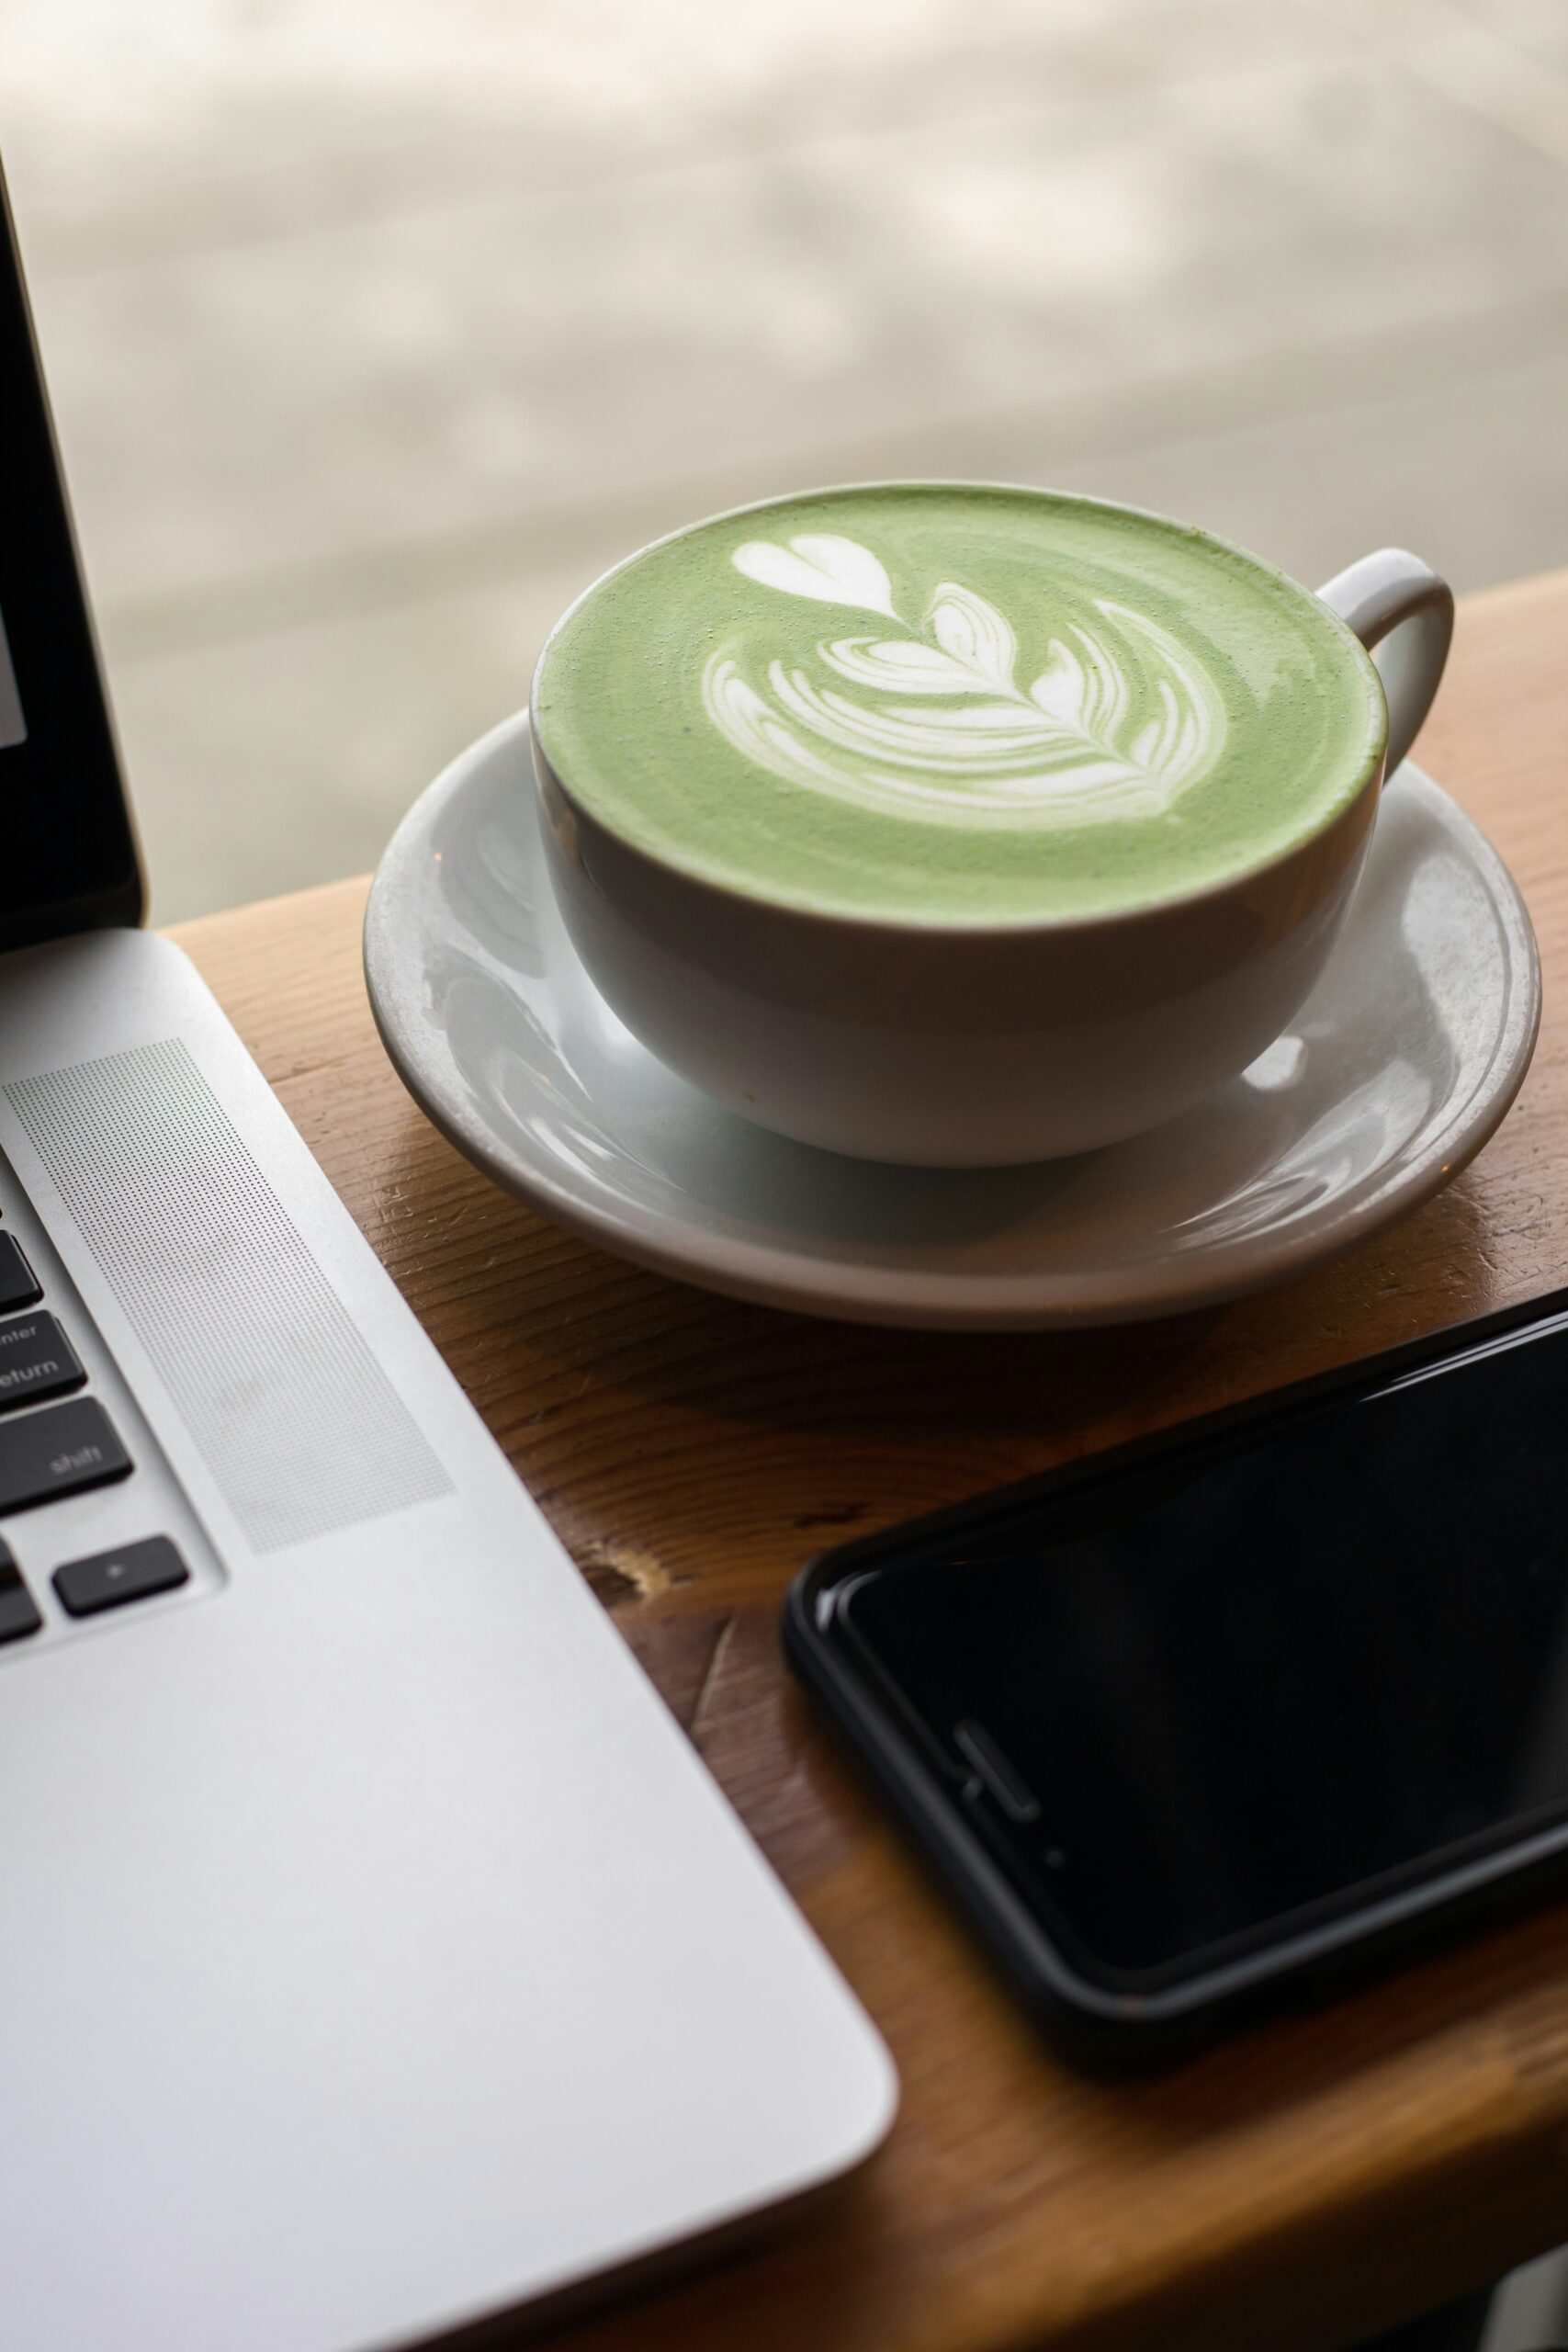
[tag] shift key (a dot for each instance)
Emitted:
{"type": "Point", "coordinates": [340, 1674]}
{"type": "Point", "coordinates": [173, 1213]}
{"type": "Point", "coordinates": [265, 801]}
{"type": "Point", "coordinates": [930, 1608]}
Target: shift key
{"type": "Point", "coordinates": [58, 1452]}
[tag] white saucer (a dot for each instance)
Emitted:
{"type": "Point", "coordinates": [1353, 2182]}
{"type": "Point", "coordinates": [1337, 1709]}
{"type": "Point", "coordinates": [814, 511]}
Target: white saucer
{"type": "Point", "coordinates": [1395, 1073]}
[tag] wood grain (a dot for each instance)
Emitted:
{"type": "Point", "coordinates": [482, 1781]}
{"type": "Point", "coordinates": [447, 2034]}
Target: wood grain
{"type": "Point", "coordinates": [1295, 2189]}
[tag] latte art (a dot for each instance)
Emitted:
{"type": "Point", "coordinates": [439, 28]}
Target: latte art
{"type": "Point", "coordinates": [1120, 721]}
{"type": "Point", "coordinates": [955, 703]}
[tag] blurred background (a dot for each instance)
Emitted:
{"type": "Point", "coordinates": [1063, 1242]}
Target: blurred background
{"type": "Point", "coordinates": [376, 328]}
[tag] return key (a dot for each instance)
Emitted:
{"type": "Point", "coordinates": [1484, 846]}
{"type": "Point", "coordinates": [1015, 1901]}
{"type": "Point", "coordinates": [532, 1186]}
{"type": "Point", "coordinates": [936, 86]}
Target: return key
{"type": "Point", "coordinates": [36, 1360]}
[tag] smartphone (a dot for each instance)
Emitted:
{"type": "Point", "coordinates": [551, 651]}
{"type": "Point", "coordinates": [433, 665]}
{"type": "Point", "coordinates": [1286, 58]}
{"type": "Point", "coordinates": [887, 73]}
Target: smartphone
{"type": "Point", "coordinates": [1217, 1721]}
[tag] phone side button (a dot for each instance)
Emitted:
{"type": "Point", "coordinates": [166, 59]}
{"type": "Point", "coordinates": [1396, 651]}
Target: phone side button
{"type": "Point", "coordinates": [1011, 1791]}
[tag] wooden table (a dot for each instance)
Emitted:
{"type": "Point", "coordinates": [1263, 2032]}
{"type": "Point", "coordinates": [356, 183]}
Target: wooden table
{"type": "Point", "coordinates": [1296, 2189]}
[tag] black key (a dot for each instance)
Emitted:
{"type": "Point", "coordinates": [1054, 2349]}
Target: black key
{"type": "Point", "coordinates": [18, 1283]}
{"type": "Point", "coordinates": [109, 1578]}
{"type": "Point", "coordinates": [36, 1360]}
{"type": "Point", "coordinates": [57, 1451]}
{"type": "Point", "coordinates": [18, 1615]}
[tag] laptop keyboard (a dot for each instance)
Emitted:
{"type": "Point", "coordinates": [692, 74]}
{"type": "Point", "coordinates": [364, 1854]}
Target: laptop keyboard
{"type": "Point", "coordinates": [60, 1449]}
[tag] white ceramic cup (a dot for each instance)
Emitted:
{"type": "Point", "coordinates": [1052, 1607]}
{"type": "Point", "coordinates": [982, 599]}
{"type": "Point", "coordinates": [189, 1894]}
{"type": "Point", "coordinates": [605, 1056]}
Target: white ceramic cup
{"type": "Point", "coordinates": [984, 1045]}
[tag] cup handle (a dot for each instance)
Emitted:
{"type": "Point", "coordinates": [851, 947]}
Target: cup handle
{"type": "Point", "coordinates": [1395, 595]}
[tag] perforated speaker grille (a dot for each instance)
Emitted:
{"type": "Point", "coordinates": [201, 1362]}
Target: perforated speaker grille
{"type": "Point", "coordinates": [295, 1419]}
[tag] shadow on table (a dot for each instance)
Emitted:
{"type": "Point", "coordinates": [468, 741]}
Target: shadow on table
{"type": "Point", "coordinates": [1458, 2327]}
{"type": "Point", "coordinates": [1527, 2311]}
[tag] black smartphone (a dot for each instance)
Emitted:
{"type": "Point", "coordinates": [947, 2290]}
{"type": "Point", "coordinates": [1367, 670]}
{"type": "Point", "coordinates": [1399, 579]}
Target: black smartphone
{"type": "Point", "coordinates": [1214, 1721]}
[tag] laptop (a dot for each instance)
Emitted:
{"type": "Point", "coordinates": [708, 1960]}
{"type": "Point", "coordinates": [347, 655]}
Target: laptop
{"type": "Point", "coordinates": [375, 1955]}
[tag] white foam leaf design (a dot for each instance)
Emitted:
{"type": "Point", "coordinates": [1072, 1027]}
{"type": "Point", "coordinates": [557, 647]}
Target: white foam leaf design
{"type": "Point", "coordinates": [1062, 688]}
{"type": "Point", "coordinates": [821, 565]}
{"type": "Point", "coordinates": [897, 665]}
{"type": "Point", "coordinates": [1121, 720]}
{"type": "Point", "coordinates": [974, 634]}
{"type": "Point", "coordinates": [756, 729]}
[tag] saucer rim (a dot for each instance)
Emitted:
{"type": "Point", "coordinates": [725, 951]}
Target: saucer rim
{"type": "Point", "coordinates": [798, 1281]}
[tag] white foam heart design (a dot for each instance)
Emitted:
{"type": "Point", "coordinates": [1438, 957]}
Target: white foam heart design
{"type": "Point", "coordinates": [820, 565]}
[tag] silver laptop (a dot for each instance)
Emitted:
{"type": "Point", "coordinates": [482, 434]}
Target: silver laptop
{"type": "Point", "coordinates": [374, 1954]}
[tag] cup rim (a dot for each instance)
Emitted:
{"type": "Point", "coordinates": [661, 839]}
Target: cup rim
{"type": "Point", "coordinates": [971, 927]}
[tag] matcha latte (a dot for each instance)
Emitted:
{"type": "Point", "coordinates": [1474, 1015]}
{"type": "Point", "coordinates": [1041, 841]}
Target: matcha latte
{"type": "Point", "coordinates": [950, 703]}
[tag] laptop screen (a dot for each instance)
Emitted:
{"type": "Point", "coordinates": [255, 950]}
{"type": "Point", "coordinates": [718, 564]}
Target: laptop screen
{"type": "Point", "coordinates": [67, 857]}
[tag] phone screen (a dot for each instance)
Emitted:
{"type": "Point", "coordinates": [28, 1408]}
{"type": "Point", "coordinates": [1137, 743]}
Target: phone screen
{"type": "Point", "coordinates": [1254, 1683]}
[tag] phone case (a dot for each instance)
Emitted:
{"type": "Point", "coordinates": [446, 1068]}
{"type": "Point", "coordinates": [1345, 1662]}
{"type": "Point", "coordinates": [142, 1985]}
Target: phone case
{"type": "Point", "coordinates": [1100, 2027]}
